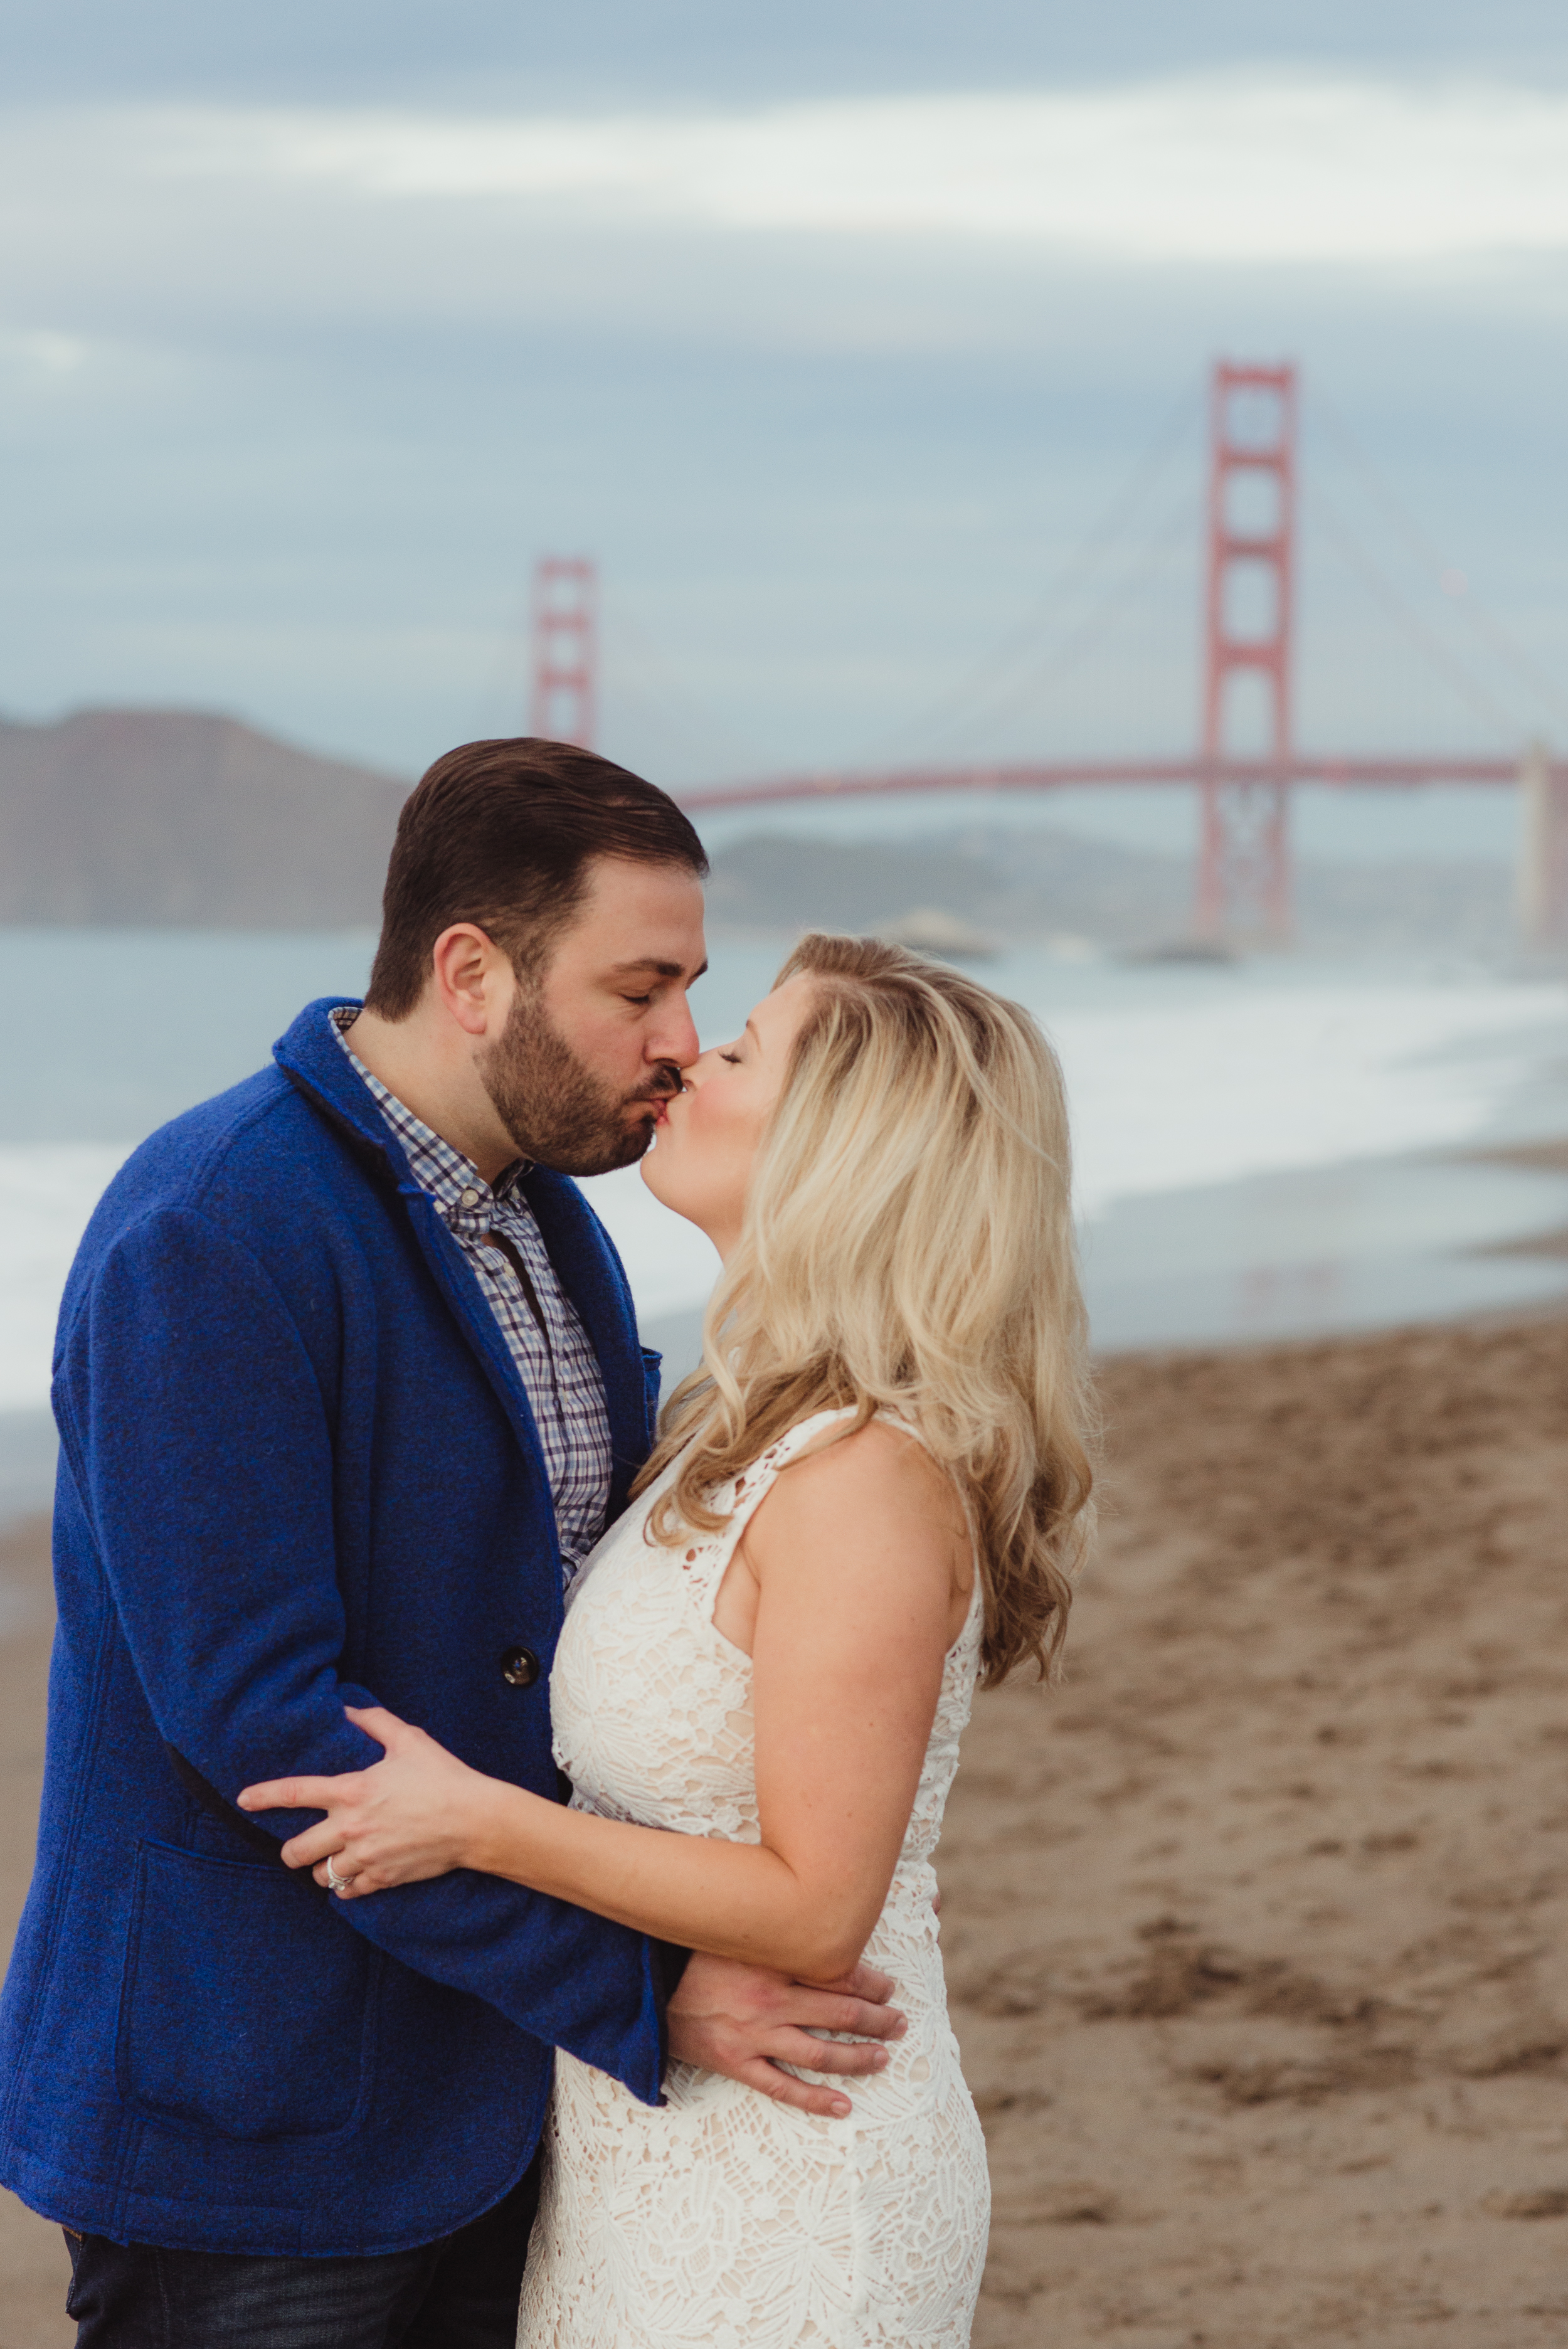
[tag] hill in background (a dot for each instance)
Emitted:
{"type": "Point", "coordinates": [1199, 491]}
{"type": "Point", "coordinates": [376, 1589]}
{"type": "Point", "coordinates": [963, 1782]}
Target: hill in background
{"type": "Point", "coordinates": [173, 818]}
{"type": "Point", "coordinates": [1021, 884]}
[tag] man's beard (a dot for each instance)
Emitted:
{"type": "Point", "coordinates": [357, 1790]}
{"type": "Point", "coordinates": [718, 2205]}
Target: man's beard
{"type": "Point", "coordinates": [554, 1108]}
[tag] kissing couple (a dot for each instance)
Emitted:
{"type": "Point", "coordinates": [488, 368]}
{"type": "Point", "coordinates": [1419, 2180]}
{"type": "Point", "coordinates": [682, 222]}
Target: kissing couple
{"type": "Point", "coordinates": [484, 1825]}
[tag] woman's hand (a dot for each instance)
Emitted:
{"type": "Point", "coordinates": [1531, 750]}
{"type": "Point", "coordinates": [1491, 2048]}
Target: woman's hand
{"type": "Point", "coordinates": [415, 1814]}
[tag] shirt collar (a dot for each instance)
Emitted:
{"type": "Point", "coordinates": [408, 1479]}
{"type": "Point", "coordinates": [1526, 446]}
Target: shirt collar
{"type": "Point", "coordinates": [466, 1203]}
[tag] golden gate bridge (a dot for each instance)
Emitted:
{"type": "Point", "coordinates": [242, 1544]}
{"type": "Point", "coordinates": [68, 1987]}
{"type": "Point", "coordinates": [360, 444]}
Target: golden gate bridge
{"type": "Point", "coordinates": [1243, 878]}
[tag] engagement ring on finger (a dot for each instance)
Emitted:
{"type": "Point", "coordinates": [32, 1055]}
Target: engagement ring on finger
{"type": "Point", "coordinates": [336, 1883]}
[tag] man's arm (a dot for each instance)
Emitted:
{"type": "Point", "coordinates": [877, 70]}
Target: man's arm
{"type": "Point", "coordinates": [198, 1436]}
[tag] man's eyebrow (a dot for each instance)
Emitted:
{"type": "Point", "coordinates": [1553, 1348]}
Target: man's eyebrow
{"type": "Point", "coordinates": [664, 970]}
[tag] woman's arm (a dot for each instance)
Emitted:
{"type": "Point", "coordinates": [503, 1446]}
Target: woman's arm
{"type": "Point", "coordinates": [859, 1558]}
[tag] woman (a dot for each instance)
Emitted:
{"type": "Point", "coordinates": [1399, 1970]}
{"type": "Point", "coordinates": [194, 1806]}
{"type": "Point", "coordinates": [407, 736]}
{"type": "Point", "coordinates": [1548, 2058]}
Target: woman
{"type": "Point", "coordinates": [871, 1493]}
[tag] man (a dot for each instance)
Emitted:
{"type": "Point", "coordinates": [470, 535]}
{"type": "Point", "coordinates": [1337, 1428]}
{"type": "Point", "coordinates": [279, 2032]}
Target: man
{"type": "Point", "coordinates": [347, 1383]}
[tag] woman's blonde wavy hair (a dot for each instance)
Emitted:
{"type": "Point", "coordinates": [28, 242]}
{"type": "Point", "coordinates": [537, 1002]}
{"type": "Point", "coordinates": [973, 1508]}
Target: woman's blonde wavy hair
{"type": "Point", "coordinates": [908, 1246]}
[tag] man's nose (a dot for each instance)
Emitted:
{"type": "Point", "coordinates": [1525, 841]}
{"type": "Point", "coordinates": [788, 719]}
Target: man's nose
{"type": "Point", "coordinates": [676, 1037]}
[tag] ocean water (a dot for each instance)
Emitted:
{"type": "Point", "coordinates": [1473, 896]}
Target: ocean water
{"type": "Point", "coordinates": [1266, 1149]}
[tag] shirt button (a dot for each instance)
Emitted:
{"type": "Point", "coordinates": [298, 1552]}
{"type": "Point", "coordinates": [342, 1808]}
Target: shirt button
{"type": "Point", "coordinates": [519, 1667]}
{"type": "Point", "coordinates": [471, 1198]}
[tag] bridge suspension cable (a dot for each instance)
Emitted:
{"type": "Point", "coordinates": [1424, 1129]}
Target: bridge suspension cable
{"type": "Point", "coordinates": [1452, 582]}
{"type": "Point", "coordinates": [985, 686]}
{"type": "Point", "coordinates": [1403, 614]}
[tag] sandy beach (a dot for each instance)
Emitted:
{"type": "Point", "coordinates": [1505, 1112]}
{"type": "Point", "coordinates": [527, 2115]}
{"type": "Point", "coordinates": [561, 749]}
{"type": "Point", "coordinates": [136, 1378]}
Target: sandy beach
{"type": "Point", "coordinates": [34, 2268]}
{"type": "Point", "coordinates": [1258, 1929]}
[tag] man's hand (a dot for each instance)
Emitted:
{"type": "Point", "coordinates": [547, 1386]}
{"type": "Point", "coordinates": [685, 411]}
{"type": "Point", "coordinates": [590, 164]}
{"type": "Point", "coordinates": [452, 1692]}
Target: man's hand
{"type": "Point", "coordinates": [747, 2022]}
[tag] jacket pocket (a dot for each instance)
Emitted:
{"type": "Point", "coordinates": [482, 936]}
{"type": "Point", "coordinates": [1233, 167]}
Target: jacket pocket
{"type": "Point", "coordinates": [245, 2003]}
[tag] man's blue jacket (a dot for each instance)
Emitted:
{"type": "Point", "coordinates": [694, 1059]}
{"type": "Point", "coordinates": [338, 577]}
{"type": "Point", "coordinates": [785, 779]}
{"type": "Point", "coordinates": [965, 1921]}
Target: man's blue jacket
{"type": "Point", "coordinates": [297, 1469]}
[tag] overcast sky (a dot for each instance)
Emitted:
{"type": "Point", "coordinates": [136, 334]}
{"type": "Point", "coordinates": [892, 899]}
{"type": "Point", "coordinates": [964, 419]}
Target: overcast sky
{"type": "Point", "coordinates": [830, 331]}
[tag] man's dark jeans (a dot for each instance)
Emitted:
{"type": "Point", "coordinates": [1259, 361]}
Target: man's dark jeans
{"type": "Point", "coordinates": [459, 2294]}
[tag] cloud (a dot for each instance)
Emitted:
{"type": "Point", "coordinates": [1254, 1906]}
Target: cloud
{"type": "Point", "coordinates": [1231, 169]}
{"type": "Point", "coordinates": [945, 222]}
{"type": "Point", "coordinates": [41, 355]}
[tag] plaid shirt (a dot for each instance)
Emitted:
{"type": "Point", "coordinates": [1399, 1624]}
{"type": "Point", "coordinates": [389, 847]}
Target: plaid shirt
{"type": "Point", "coordinates": [558, 1367]}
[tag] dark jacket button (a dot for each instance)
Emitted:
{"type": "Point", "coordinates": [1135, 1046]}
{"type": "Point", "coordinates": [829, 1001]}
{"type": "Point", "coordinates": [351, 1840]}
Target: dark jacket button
{"type": "Point", "coordinates": [520, 1666]}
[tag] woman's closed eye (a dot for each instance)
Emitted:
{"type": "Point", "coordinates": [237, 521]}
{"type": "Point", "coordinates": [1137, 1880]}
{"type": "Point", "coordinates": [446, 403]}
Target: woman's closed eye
{"type": "Point", "coordinates": [733, 1057]}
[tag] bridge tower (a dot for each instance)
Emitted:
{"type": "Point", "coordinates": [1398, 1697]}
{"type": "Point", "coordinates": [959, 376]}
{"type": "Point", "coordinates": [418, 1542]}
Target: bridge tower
{"type": "Point", "coordinates": [1543, 850]}
{"type": "Point", "coordinates": [565, 701]}
{"type": "Point", "coordinates": [1243, 864]}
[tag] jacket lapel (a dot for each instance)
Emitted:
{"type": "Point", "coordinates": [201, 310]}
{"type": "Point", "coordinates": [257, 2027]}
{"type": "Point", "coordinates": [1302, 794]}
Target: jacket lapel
{"type": "Point", "coordinates": [580, 1249]}
{"type": "Point", "coordinates": [317, 1068]}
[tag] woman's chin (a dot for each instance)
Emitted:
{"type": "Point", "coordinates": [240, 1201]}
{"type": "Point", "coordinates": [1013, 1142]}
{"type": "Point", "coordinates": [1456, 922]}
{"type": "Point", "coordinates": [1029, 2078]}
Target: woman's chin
{"type": "Point", "coordinates": [664, 1181]}
{"type": "Point", "coordinates": [656, 1177]}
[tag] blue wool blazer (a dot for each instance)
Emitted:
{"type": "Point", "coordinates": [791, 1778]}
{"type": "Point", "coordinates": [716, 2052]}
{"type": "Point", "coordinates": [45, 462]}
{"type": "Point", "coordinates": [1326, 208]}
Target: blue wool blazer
{"type": "Point", "coordinates": [298, 1468]}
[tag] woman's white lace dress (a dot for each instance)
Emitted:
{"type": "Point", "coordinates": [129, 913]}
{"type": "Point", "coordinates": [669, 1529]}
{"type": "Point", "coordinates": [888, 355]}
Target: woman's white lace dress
{"type": "Point", "coordinates": [723, 2221]}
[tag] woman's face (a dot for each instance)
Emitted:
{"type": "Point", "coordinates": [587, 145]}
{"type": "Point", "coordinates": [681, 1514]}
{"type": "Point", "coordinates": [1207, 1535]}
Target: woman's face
{"type": "Point", "coordinates": [705, 1140]}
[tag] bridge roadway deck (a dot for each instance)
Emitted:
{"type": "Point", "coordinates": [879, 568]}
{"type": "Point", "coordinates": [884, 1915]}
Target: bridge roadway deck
{"type": "Point", "coordinates": [1339, 769]}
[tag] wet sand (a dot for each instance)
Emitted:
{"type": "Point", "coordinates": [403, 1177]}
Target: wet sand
{"type": "Point", "coordinates": [34, 2268]}
{"type": "Point", "coordinates": [1258, 1930]}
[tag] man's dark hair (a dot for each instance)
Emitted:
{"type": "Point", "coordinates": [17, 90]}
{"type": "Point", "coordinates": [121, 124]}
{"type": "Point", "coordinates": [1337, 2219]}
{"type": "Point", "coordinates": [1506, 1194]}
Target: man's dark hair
{"type": "Point", "coordinates": [501, 833]}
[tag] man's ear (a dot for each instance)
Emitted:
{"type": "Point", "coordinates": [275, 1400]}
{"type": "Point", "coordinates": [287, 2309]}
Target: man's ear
{"type": "Point", "coordinates": [472, 978]}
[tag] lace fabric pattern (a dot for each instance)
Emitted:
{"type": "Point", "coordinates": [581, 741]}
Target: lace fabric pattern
{"type": "Point", "coordinates": [723, 2220]}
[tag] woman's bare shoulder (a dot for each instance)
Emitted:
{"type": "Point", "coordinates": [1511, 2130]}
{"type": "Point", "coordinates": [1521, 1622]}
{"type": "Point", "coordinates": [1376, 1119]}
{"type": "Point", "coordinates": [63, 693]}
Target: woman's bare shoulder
{"type": "Point", "coordinates": [878, 1468]}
